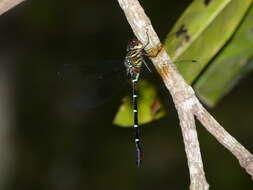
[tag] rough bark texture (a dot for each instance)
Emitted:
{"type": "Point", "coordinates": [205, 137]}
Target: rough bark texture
{"type": "Point", "coordinates": [184, 99]}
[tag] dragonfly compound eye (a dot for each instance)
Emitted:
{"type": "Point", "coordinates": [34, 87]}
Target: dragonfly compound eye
{"type": "Point", "coordinates": [134, 45]}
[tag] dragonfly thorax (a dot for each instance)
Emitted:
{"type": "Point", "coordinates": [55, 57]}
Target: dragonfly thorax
{"type": "Point", "coordinates": [134, 59]}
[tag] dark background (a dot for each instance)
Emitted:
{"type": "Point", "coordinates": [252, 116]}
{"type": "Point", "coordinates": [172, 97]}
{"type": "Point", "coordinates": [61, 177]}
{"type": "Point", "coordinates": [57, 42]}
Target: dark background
{"type": "Point", "coordinates": [59, 136]}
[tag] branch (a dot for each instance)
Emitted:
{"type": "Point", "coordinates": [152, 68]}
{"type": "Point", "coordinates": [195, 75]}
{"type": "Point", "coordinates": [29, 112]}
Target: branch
{"type": "Point", "coordinates": [244, 157]}
{"type": "Point", "coordinates": [6, 5]}
{"type": "Point", "coordinates": [184, 99]}
{"type": "Point", "coordinates": [179, 90]}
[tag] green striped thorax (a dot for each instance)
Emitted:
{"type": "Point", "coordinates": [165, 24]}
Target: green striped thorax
{"type": "Point", "coordinates": [134, 59]}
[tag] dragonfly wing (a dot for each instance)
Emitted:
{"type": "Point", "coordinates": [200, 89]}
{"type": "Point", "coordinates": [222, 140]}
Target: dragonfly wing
{"type": "Point", "coordinates": [87, 86]}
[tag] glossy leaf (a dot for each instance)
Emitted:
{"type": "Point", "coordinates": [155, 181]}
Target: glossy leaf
{"type": "Point", "coordinates": [202, 31]}
{"type": "Point", "coordinates": [232, 63]}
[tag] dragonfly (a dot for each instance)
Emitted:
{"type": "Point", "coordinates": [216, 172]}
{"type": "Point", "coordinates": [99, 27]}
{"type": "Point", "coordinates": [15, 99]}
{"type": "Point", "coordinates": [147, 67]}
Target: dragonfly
{"type": "Point", "coordinates": [133, 62]}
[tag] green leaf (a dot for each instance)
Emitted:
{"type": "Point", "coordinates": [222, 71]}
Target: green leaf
{"type": "Point", "coordinates": [232, 63]}
{"type": "Point", "coordinates": [202, 31]}
{"type": "Point", "coordinates": [199, 34]}
{"type": "Point", "coordinates": [149, 107]}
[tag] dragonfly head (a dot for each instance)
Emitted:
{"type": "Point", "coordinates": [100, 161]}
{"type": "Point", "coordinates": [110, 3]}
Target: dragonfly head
{"type": "Point", "coordinates": [134, 45]}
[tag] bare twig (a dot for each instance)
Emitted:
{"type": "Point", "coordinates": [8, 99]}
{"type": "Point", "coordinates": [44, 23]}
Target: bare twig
{"type": "Point", "coordinates": [244, 157]}
{"type": "Point", "coordinates": [6, 5]}
{"type": "Point", "coordinates": [185, 101]}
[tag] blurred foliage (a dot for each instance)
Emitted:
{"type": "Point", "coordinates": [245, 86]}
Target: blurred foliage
{"type": "Point", "coordinates": [149, 107]}
{"type": "Point", "coordinates": [201, 32]}
{"type": "Point", "coordinates": [232, 63]}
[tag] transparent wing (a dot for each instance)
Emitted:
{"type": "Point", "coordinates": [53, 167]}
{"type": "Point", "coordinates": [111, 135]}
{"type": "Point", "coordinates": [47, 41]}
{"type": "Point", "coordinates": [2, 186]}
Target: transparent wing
{"type": "Point", "coordinates": [90, 85]}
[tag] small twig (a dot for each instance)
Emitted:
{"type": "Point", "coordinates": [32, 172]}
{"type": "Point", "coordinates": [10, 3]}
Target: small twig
{"type": "Point", "coordinates": [6, 5]}
{"type": "Point", "coordinates": [185, 101]}
{"type": "Point", "coordinates": [244, 157]}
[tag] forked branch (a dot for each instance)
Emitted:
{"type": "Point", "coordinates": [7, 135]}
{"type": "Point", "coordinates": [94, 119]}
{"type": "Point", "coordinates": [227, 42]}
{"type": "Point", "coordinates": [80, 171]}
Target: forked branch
{"type": "Point", "coordinates": [185, 100]}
